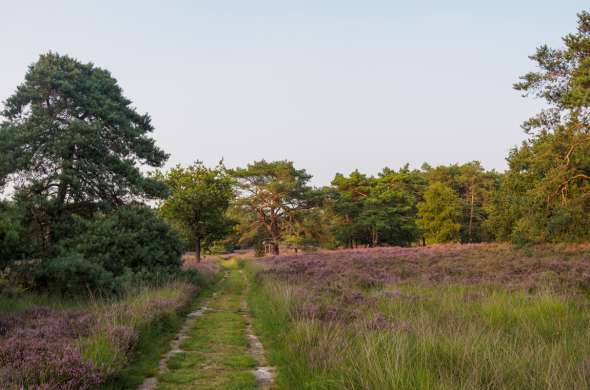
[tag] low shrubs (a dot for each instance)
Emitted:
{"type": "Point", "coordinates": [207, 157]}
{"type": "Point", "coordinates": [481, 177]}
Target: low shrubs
{"type": "Point", "coordinates": [39, 347]}
{"type": "Point", "coordinates": [81, 348]}
{"type": "Point", "coordinates": [11, 234]}
{"type": "Point", "coordinates": [73, 275]}
{"type": "Point", "coordinates": [130, 238]}
{"type": "Point", "coordinates": [110, 254]}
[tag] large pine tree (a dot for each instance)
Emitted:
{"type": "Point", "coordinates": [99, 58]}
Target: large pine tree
{"type": "Point", "coordinates": [70, 142]}
{"type": "Point", "coordinates": [546, 193]}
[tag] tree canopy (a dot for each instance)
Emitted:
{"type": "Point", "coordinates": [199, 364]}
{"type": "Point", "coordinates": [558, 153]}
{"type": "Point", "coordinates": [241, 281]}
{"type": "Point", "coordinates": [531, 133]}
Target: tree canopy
{"type": "Point", "coordinates": [72, 149]}
{"type": "Point", "coordinates": [272, 192]}
{"type": "Point", "coordinates": [440, 214]}
{"type": "Point", "coordinates": [546, 193]}
{"type": "Point", "coordinates": [198, 201]}
{"type": "Point", "coordinates": [70, 135]}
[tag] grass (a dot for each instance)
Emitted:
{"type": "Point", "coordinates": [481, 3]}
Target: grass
{"type": "Point", "coordinates": [270, 304]}
{"type": "Point", "coordinates": [216, 351]}
{"type": "Point", "coordinates": [415, 334]}
{"type": "Point", "coordinates": [107, 346]}
{"type": "Point", "coordinates": [117, 342]}
{"type": "Point", "coordinates": [153, 341]}
{"type": "Point", "coordinates": [24, 301]}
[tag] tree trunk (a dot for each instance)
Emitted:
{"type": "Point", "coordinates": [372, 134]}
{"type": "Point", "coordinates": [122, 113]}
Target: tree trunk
{"type": "Point", "coordinates": [374, 237]}
{"type": "Point", "coordinates": [63, 186]}
{"type": "Point", "coordinates": [275, 248]}
{"type": "Point", "coordinates": [198, 250]}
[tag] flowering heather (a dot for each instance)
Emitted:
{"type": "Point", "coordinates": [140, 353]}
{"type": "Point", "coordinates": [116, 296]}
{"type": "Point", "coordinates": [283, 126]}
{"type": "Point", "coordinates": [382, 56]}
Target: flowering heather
{"type": "Point", "coordinates": [40, 347]}
{"type": "Point", "coordinates": [123, 336]}
{"type": "Point", "coordinates": [450, 316]}
{"type": "Point", "coordinates": [561, 268]}
{"type": "Point", "coordinates": [62, 349]}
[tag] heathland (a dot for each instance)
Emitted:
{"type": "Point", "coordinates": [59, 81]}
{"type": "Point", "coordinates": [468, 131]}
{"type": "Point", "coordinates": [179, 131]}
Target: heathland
{"type": "Point", "coordinates": [450, 276]}
{"type": "Point", "coordinates": [445, 317]}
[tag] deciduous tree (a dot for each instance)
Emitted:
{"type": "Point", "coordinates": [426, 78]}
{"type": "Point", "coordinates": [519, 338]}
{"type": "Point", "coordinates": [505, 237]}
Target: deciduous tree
{"type": "Point", "coordinates": [198, 201]}
{"type": "Point", "coordinates": [440, 214]}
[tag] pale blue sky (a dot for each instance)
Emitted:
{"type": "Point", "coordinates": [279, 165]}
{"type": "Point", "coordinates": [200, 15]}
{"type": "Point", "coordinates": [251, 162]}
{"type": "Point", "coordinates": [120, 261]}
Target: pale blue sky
{"type": "Point", "coordinates": [332, 85]}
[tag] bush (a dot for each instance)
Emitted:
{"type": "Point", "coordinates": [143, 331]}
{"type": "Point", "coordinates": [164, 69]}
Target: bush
{"type": "Point", "coordinates": [11, 234]}
{"type": "Point", "coordinates": [196, 278]}
{"type": "Point", "coordinates": [132, 238]}
{"type": "Point", "coordinates": [10, 287]}
{"type": "Point", "coordinates": [72, 275]}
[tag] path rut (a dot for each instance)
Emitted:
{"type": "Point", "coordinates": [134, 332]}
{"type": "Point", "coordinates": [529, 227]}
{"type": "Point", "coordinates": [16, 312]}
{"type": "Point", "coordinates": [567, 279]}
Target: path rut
{"type": "Point", "coordinates": [217, 347]}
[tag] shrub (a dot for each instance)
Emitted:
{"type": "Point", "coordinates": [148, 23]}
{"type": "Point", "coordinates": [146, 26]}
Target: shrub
{"type": "Point", "coordinates": [11, 234]}
{"type": "Point", "coordinates": [9, 287]}
{"type": "Point", "coordinates": [131, 238]}
{"type": "Point", "coordinates": [196, 277]}
{"type": "Point", "coordinates": [72, 274]}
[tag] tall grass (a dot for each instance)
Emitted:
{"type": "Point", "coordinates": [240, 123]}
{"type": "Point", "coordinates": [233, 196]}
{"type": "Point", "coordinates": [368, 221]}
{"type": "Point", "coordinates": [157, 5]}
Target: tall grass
{"type": "Point", "coordinates": [115, 331]}
{"type": "Point", "coordinates": [423, 336]}
{"type": "Point", "coordinates": [81, 343]}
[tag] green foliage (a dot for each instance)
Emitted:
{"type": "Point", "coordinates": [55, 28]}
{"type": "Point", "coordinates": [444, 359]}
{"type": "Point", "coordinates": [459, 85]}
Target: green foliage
{"type": "Point", "coordinates": [475, 188]}
{"type": "Point", "coordinates": [74, 118]}
{"type": "Point", "coordinates": [375, 211]}
{"type": "Point", "coordinates": [71, 143]}
{"type": "Point", "coordinates": [440, 214]}
{"type": "Point", "coordinates": [12, 234]}
{"type": "Point", "coordinates": [198, 201]}
{"type": "Point", "coordinates": [545, 194]}
{"type": "Point", "coordinates": [73, 275]}
{"type": "Point", "coordinates": [132, 238]}
{"type": "Point", "coordinates": [389, 212]}
{"type": "Point", "coordinates": [345, 199]}
{"type": "Point", "coordinates": [111, 253]}
{"type": "Point", "coordinates": [9, 287]}
{"type": "Point", "coordinates": [272, 193]}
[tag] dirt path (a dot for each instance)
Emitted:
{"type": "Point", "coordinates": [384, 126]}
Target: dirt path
{"type": "Point", "coordinates": [216, 348]}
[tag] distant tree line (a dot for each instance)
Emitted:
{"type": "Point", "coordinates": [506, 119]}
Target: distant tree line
{"type": "Point", "coordinates": [404, 207]}
{"type": "Point", "coordinates": [544, 196]}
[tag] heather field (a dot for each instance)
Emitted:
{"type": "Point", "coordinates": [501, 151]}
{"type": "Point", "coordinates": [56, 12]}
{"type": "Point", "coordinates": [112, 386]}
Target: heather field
{"type": "Point", "coordinates": [52, 343]}
{"type": "Point", "coordinates": [485, 316]}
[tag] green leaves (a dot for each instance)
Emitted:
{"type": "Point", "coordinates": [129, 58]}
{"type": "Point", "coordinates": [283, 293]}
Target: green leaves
{"type": "Point", "coordinates": [440, 214]}
{"type": "Point", "coordinates": [70, 135]}
{"type": "Point", "coordinates": [376, 210]}
{"type": "Point", "coordinates": [72, 144]}
{"type": "Point", "coordinates": [545, 195]}
{"type": "Point", "coordinates": [272, 193]}
{"type": "Point", "coordinates": [198, 201]}
{"type": "Point", "coordinates": [132, 238]}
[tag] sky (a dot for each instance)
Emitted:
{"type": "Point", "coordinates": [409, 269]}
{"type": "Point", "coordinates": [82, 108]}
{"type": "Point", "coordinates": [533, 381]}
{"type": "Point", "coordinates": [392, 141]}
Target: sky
{"type": "Point", "coordinates": [333, 85]}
